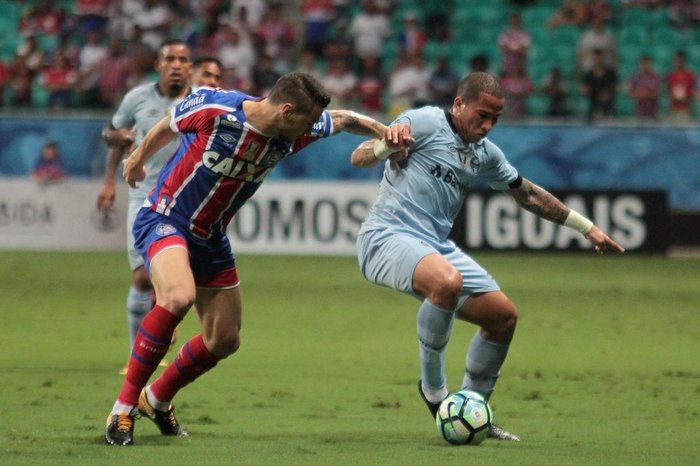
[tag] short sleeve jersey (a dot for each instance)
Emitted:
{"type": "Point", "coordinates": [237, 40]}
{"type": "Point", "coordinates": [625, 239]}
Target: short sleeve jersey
{"type": "Point", "coordinates": [423, 197]}
{"type": "Point", "coordinates": [141, 108]}
{"type": "Point", "coordinates": [221, 160]}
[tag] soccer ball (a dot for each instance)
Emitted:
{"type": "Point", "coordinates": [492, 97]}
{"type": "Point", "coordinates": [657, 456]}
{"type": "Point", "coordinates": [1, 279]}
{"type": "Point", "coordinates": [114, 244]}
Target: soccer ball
{"type": "Point", "coordinates": [464, 417]}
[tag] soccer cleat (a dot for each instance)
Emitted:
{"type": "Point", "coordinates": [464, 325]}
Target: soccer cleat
{"type": "Point", "coordinates": [165, 420]}
{"type": "Point", "coordinates": [501, 434]}
{"type": "Point", "coordinates": [120, 428]}
{"type": "Point", "coordinates": [432, 407]}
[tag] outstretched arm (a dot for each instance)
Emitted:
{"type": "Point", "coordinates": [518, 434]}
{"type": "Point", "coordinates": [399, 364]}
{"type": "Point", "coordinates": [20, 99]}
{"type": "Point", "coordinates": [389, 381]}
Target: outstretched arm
{"type": "Point", "coordinates": [156, 138]}
{"type": "Point", "coordinates": [544, 204]}
{"type": "Point", "coordinates": [356, 123]}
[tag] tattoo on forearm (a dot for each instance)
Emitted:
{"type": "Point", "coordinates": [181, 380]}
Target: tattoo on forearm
{"type": "Point", "coordinates": [542, 203]}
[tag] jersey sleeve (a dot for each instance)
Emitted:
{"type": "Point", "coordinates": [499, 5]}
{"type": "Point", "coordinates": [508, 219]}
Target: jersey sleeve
{"type": "Point", "coordinates": [196, 113]}
{"type": "Point", "coordinates": [124, 116]}
{"type": "Point", "coordinates": [423, 125]}
{"type": "Point", "coordinates": [497, 171]}
{"type": "Point", "coordinates": [321, 129]}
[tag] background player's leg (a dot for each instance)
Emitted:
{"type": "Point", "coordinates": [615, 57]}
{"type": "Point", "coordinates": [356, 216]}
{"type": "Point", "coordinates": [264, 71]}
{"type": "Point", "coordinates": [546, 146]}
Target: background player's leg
{"type": "Point", "coordinates": [219, 311]}
{"type": "Point", "coordinates": [496, 315]}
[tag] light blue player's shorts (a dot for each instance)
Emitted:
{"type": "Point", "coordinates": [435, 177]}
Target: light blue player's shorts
{"type": "Point", "coordinates": [389, 258]}
{"type": "Point", "coordinates": [135, 259]}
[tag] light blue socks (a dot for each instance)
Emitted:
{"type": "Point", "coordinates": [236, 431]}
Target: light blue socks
{"type": "Point", "coordinates": [138, 303]}
{"type": "Point", "coordinates": [484, 361]}
{"type": "Point", "coordinates": [434, 328]}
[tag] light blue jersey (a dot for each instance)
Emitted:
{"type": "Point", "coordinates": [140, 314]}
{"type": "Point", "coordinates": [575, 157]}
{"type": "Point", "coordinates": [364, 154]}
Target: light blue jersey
{"type": "Point", "coordinates": [424, 197]}
{"type": "Point", "coordinates": [140, 109]}
{"type": "Point", "coordinates": [418, 202]}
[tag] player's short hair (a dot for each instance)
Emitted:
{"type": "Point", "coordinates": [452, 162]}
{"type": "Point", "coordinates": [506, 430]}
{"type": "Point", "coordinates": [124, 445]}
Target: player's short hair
{"type": "Point", "coordinates": [300, 89]}
{"type": "Point", "coordinates": [168, 43]}
{"type": "Point", "coordinates": [202, 60]}
{"type": "Point", "coordinates": [477, 82]}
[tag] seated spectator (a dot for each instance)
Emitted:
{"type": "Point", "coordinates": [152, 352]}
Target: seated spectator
{"type": "Point", "coordinates": [4, 81]}
{"type": "Point", "coordinates": [340, 82]}
{"type": "Point", "coordinates": [60, 79]}
{"type": "Point", "coordinates": [681, 89]}
{"type": "Point", "coordinates": [21, 78]}
{"type": "Point", "coordinates": [264, 76]}
{"type": "Point", "coordinates": [113, 76]}
{"type": "Point", "coordinates": [443, 83]}
{"type": "Point", "coordinates": [599, 84]}
{"type": "Point", "coordinates": [318, 17]}
{"type": "Point", "coordinates": [596, 38]}
{"type": "Point", "coordinates": [412, 38]}
{"type": "Point", "coordinates": [369, 29]}
{"type": "Point", "coordinates": [514, 42]}
{"type": "Point", "coordinates": [309, 64]}
{"type": "Point", "coordinates": [48, 168]}
{"type": "Point", "coordinates": [557, 91]}
{"type": "Point", "coordinates": [408, 84]}
{"type": "Point", "coordinates": [34, 56]}
{"type": "Point", "coordinates": [275, 36]}
{"type": "Point", "coordinates": [90, 56]}
{"type": "Point", "coordinates": [370, 86]}
{"type": "Point", "coordinates": [479, 62]}
{"type": "Point", "coordinates": [570, 13]}
{"type": "Point", "coordinates": [517, 87]}
{"type": "Point", "coordinates": [339, 45]}
{"type": "Point", "coordinates": [644, 87]}
{"type": "Point", "coordinates": [236, 51]}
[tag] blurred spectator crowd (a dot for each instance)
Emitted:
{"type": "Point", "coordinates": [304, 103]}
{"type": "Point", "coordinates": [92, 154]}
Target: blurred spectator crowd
{"type": "Point", "coordinates": [590, 59]}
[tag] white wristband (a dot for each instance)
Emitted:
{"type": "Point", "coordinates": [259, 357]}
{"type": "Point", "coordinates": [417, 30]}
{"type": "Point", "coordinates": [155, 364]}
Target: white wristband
{"type": "Point", "coordinates": [578, 222]}
{"type": "Point", "coordinates": [382, 150]}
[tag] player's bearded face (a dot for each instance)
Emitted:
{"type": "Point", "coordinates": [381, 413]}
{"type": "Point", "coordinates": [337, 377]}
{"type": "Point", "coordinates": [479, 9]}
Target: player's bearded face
{"type": "Point", "coordinates": [475, 119]}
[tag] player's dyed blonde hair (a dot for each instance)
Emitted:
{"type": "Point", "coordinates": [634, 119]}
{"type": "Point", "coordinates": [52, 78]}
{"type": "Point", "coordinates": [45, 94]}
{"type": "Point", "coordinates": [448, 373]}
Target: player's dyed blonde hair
{"type": "Point", "coordinates": [477, 82]}
{"type": "Point", "coordinates": [300, 89]}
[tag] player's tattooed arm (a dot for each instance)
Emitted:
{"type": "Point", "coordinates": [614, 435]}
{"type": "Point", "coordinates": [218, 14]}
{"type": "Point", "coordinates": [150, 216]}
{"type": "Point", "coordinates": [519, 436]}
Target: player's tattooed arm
{"type": "Point", "coordinates": [539, 201]}
{"type": "Point", "coordinates": [356, 123]}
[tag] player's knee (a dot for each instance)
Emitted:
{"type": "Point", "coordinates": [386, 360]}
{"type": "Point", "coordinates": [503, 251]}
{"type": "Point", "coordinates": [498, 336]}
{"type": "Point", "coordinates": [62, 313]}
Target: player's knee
{"type": "Point", "coordinates": [177, 300]}
{"type": "Point", "coordinates": [141, 280]}
{"type": "Point", "coordinates": [446, 290]}
{"type": "Point", "coordinates": [506, 322]}
{"type": "Point", "coordinates": [226, 343]}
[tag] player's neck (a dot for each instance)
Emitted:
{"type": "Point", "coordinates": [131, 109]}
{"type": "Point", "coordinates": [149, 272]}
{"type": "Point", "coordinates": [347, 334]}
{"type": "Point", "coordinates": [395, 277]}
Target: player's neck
{"type": "Point", "coordinates": [172, 92]}
{"type": "Point", "coordinates": [261, 116]}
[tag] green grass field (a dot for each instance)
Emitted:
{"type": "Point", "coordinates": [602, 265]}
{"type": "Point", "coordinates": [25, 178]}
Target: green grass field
{"type": "Point", "coordinates": [604, 368]}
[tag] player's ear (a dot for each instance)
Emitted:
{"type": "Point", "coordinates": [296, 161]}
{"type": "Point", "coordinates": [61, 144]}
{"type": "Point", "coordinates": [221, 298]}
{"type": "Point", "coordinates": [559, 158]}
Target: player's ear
{"type": "Point", "coordinates": [287, 110]}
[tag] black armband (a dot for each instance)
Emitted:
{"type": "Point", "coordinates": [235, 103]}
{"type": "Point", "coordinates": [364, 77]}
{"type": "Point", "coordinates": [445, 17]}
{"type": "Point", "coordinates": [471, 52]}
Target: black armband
{"type": "Point", "coordinates": [516, 183]}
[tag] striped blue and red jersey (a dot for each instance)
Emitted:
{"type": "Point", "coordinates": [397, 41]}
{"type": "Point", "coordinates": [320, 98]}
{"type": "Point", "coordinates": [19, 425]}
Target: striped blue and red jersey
{"type": "Point", "coordinates": [221, 161]}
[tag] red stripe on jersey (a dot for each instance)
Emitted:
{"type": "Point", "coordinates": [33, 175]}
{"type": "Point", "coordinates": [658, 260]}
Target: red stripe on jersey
{"type": "Point", "coordinates": [215, 205]}
{"type": "Point", "coordinates": [303, 141]}
{"type": "Point", "coordinates": [251, 145]}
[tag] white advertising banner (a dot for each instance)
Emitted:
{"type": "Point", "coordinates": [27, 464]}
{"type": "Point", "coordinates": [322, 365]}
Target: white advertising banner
{"type": "Point", "coordinates": [59, 216]}
{"type": "Point", "coordinates": [282, 218]}
{"type": "Point", "coordinates": [303, 218]}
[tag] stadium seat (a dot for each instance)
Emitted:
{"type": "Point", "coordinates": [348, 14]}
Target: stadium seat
{"type": "Point", "coordinates": [537, 105]}
{"type": "Point", "coordinates": [634, 34]}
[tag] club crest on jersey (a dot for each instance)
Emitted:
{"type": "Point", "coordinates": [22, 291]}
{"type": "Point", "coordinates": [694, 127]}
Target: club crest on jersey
{"type": "Point", "coordinates": [164, 229]}
{"type": "Point", "coordinates": [271, 158]}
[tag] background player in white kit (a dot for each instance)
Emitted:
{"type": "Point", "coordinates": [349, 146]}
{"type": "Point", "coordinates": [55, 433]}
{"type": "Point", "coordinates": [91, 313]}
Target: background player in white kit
{"type": "Point", "coordinates": [140, 109]}
{"type": "Point", "coordinates": [404, 245]}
